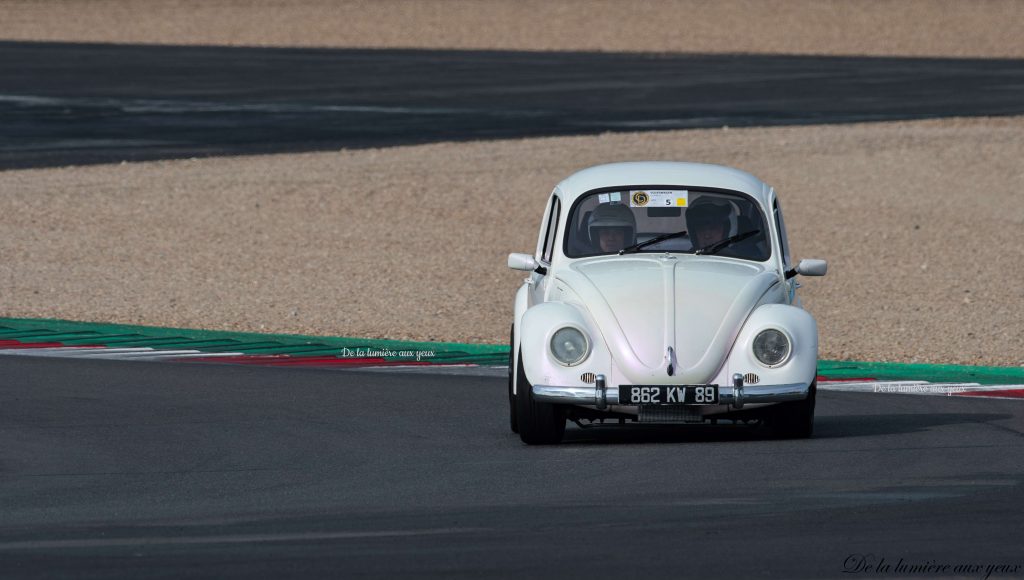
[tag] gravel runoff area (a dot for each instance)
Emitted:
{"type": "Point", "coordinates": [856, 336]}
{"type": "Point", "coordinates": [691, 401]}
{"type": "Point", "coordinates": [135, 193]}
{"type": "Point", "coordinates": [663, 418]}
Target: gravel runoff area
{"type": "Point", "coordinates": [983, 28]}
{"type": "Point", "coordinates": [921, 222]}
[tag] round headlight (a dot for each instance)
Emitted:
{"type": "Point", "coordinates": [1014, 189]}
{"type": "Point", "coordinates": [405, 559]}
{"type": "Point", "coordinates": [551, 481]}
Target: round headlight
{"type": "Point", "coordinates": [771, 347]}
{"type": "Point", "coordinates": [569, 346]}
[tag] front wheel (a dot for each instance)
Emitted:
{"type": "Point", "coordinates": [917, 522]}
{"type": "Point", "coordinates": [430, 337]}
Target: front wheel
{"type": "Point", "coordinates": [795, 420]}
{"type": "Point", "coordinates": [539, 423]}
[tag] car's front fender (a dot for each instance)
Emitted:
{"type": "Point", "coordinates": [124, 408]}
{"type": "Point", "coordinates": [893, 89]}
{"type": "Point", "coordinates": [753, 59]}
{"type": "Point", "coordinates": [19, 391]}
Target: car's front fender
{"type": "Point", "coordinates": [798, 325]}
{"type": "Point", "coordinates": [537, 326]}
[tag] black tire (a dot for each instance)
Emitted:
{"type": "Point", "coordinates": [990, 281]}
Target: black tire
{"type": "Point", "coordinates": [512, 415]}
{"type": "Point", "coordinates": [795, 420]}
{"type": "Point", "coordinates": [539, 423]}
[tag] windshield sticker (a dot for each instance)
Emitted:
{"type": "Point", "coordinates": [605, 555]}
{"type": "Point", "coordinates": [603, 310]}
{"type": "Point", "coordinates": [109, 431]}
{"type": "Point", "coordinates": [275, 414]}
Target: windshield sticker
{"type": "Point", "coordinates": [659, 198]}
{"type": "Point", "coordinates": [614, 196]}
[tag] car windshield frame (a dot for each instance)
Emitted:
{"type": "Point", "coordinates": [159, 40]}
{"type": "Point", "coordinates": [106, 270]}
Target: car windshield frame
{"type": "Point", "coordinates": [569, 228]}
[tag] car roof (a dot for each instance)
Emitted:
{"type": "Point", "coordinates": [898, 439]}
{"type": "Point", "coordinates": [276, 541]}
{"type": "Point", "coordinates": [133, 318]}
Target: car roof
{"type": "Point", "coordinates": [665, 173]}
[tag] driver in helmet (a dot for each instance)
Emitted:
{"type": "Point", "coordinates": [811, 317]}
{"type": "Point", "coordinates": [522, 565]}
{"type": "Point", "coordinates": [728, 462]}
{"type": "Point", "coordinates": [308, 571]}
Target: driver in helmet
{"type": "Point", "coordinates": [708, 222]}
{"type": "Point", "coordinates": [612, 227]}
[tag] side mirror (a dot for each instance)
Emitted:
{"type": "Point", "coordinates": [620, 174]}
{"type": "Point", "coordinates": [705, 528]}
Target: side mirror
{"type": "Point", "coordinates": [524, 262]}
{"type": "Point", "coordinates": [811, 267]}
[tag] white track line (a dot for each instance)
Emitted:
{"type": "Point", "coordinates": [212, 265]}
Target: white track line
{"type": "Point", "coordinates": [73, 352]}
{"type": "Point", "coordinates": [442, 369]}
{"type": "Point", "coordinates": [863, 386]}
{"type": "Point", "coordinates": [162, 106]}
{"type": "Point", "coordinates": [919, 388]}
{"type": "Point", "coordinates": [225, 539]}
{"type": "Point", "coordinates": [140, 353]}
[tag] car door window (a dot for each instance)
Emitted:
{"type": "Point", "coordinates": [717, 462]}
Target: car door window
{"type": "Point", "coordinates": [780, 225]}
{"type": "Point", "coordinates": [552, 233]}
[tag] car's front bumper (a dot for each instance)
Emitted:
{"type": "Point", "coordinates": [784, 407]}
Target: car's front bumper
{"type": "Point", "coordinates": [736, 395]}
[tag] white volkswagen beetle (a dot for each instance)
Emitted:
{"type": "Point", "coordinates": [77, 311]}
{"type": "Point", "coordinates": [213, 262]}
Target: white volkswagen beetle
{"type": "Point", "coordinates": [661, 292]}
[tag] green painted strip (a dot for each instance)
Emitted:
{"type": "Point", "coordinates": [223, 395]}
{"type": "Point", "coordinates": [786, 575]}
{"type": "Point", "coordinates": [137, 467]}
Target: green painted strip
{"type": "Point", "coordinates": [90, 338]}
{"type": "Point", "coordinates": [70, 337]}
{"type": "Point", "coordinates": [246, 347]}
{"type": "Point", "coordinates": [169, 343]}
{"type": "Point", "coordinates": [40, 335]}
{"type": "Point", "coordinates": [126, 335]}
{"type": "Point", "coordinates": [922, 372]}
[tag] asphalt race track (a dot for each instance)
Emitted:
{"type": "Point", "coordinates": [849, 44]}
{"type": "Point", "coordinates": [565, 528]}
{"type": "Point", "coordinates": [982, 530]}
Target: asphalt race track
{"type": "Point", "coordinates": [131, 469]}
{"type": "Point", "coordinates": [63, 104]}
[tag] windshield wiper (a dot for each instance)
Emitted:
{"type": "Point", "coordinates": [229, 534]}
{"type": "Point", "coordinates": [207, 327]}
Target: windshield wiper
{"type": "Point", "coordinates": [715, 247]}
{"type": "Point", "coordinates": [654, 240]}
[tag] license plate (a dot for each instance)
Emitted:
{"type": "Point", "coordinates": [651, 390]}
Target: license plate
{"type": "Point", "coordinates": [668, 395]}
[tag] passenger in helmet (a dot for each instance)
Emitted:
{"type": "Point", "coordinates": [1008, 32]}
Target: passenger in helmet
{"type": "Point", "coordinates": [707, 222]}
{"type": "Point", "coordinates": [612, 227]}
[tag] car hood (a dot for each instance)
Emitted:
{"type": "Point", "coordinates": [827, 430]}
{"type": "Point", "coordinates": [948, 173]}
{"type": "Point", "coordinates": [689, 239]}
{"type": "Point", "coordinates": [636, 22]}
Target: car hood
{"type": "Point", "coordinates": [645, 305]}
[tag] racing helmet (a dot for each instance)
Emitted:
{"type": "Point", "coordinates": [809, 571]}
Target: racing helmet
{"type": "Point", "coordinates": [612, 215]}
{"type": "Point", "coordinates": [705, 212]}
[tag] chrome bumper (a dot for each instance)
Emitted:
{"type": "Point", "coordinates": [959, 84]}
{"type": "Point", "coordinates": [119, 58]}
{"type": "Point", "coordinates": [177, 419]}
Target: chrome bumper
{"type": "Point", "coordinates": [736, 395]}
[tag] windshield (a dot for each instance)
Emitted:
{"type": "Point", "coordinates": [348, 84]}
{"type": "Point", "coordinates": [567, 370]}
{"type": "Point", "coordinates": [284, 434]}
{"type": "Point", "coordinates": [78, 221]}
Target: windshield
{"type": "Point", "coordinates": [688, 220]}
